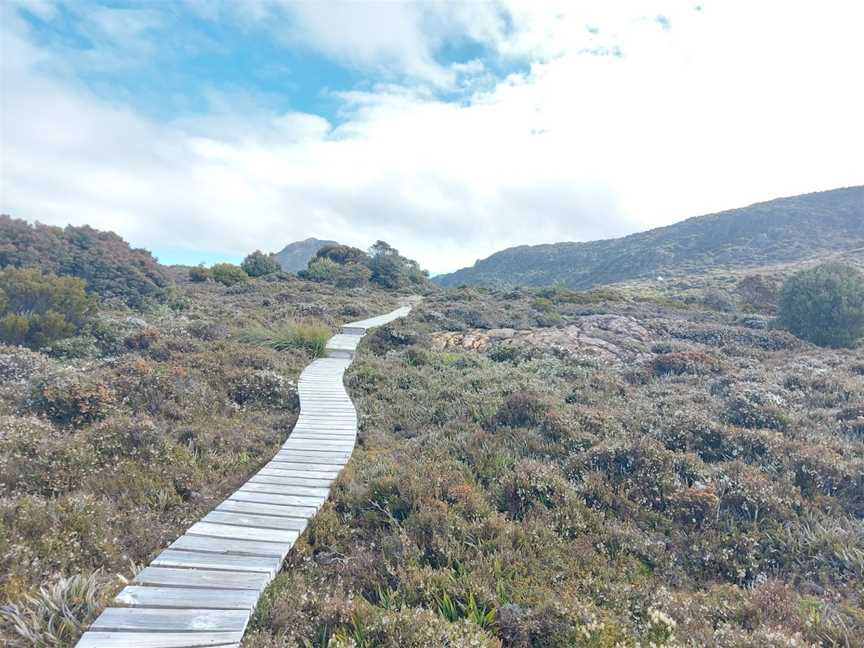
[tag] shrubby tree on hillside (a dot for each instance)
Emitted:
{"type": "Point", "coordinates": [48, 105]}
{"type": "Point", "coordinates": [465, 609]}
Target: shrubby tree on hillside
{"type": "Point", "coordinates": [343, 254]}
{"type": "Point", "coordinates": [38, 309]}
{"type": "Point", "coordinates": [350, 267]}
{"type": "Point", "coordinates": [824, 305]}
{"type": "Point", "coordinates": [110, 268]}
{"type": "Point", "coordinates": [259, 264]}
{"type": "Point", "coordinates": [320, 269]}
{"type": "Point", "coordinates": [199, 273]}
{"type": "Point", "coordinates": [228, 274]}
{"type": "Point", "coordinates": [392, 270]}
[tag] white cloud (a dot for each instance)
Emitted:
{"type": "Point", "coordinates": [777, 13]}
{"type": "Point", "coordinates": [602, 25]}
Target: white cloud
{"type": "Point", "coordinates": [734, 103]}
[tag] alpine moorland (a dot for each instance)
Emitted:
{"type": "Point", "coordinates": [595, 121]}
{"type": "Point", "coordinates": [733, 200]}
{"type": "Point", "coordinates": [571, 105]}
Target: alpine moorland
{"type": "Point", "coordinates": [648, 463]}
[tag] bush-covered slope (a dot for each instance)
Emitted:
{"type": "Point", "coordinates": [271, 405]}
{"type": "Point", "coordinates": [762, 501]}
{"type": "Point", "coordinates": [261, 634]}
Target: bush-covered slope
{"type": "Point", "coordinates": [587, 471]}
{"type": "Point", "coordinates": [102, 259]}
{"type": "Point", "coordinates": [786, 229]}
{"type": "Point", "coordinates": [116, 440]}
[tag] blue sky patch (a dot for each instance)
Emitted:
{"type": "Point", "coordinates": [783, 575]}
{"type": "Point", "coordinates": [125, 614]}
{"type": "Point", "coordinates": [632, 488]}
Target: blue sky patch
{"type": "Point", "coordinates": [169, 62]}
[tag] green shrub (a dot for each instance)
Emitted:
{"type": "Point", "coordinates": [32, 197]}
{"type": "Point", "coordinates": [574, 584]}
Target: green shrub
{"type": "Point", "coordinates": [392, 270]}
{"type": "Point", "coordinates": [110, 268]}
{"type": "Point", "coordinates": [320, 269]}
{"type": "Point", "coordinates": [311, 336]}
{"type": "Point", "coordinates": [199, 274]}
{"type": "Point", "coordinates": [343, 254]}
{"type": "Point", "coordinates": [719, 299]}
{"type": "Point", "coordinates": [352, 275]}
{"type": "Point", "coordinates": [228, 274]}
{"type": "Point", "coordinates": [37, 309]}
{"type": "Point", "coordinates": [259, 264]}
{"type": "Point", "coordinates": [824, 305]}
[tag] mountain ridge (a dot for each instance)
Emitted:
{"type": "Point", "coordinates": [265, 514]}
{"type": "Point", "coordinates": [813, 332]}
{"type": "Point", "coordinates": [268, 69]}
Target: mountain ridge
{"type": "Point", "coordinates": [295, 256]}
{"type": "Point", "coordinates": [784, 229]}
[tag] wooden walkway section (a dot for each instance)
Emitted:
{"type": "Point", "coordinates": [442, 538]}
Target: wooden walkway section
{"type": "Point", "coordinates": [202, 589]}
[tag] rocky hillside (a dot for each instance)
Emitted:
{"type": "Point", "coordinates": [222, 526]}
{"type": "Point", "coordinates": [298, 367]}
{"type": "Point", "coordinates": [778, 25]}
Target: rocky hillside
{"type": "Point", "coordinates": [295, 256]}
{"type": "Point", "coordinates": [777, 231]}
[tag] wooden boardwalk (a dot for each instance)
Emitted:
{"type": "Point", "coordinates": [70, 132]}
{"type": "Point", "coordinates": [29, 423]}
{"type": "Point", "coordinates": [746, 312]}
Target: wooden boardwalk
{"type": "Point", "coordinates": [202, 589]}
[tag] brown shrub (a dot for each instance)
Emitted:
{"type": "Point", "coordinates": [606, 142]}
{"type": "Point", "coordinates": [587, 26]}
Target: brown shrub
{"type": "Point", "coordinates": [685, 362]}
{"type": "Point", "coordinates": [71, 398]}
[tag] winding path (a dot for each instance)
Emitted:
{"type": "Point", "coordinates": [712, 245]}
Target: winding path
{"type": "Point", "coordinates": [202, 589]}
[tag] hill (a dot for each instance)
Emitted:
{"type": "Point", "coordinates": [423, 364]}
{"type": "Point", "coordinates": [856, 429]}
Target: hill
{"type": "Point", "coordinates": [777, 231]}
{"type": "Point", "coordinates": [295, 256]}
{"type": "Point", "coordinates": [109, 266]}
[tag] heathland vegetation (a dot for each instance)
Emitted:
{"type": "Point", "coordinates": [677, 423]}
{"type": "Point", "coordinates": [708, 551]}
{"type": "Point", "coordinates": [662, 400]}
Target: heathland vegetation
{"type": "Point", "coordinates": [646, 464]}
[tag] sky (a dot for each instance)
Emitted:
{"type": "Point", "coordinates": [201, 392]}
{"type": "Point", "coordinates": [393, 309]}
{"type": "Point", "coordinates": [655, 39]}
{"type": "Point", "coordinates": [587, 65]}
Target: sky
{"type": "Point", "coordinates": [205, 129]}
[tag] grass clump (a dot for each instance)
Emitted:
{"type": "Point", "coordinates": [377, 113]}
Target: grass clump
{"type": "Point", "coordinates": [57, 614]}
{"type": "Point", "coordinates": [311, 336]}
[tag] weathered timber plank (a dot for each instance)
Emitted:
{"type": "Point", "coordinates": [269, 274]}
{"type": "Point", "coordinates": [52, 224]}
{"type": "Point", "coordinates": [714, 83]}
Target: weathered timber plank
{"type": "Point", "coordinates": [274, 510]}
{"type": "Point", "coordinates": [286, 489]}
{"type": "Point", "coordinates": [186, 597]}
{"type": "Point", "coordinates": [229, 562]}
{"type": "Point", "coordinates": [261, 521]}
{"type": "Point", "coordinates": [172, 577]}
{"type": "Point", "coordinates": [296, 481]}
{"type": "Point", "coordinates": [159, 640]}
{"type": "Point", "coordinates": [227, 531]}
{"type": "Point", "coordinates": [243, 547]}
{"type": "Point", "coordinates": [269, 498]}
{"type": "Point", "coordinates": [167, 620]}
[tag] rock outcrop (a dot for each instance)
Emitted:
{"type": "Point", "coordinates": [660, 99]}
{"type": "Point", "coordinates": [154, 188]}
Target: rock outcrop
{"type": "Point", "coordinates": [610, 338]}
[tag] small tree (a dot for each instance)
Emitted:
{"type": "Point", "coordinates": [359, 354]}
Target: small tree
{"type": "Point", "coordinates": [199, 273]}
{"type": "Point", "coordinates": [37, 309]}
{"type": "Point", "coordinates": [259, 264]}
{"type": "Point", "coordinates": [320, 269]}
{"type": "Point", "coordinates": [824, 305]}
{"type": "Point", "coordinates": [228, 274]}
{"type": "Point", "coordinates": [343, 254]}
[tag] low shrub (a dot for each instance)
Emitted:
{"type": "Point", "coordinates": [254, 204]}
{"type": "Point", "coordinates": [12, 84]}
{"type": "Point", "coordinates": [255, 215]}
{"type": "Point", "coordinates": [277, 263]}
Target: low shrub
{"type": "Point", "coordinates": [718, 299]}
{"type": "Point", "coordinates": [262, 387]}
{"type": "Point", "coordinates": [521, 409]}
{"type": "Point", "coordinates": [37, 309]}
{"type": "Point", "coordinates": [72, 398]}
{"type": "Point", "coordinates": [753, 409]}
{"type": "Point", "coordinates": [228, 274]}
{"type": "Point", "coordinates": [687, 362]}
{"type": "Point", "coordinates": [320, 269]}
{"type": "Point", "coordinates": [259, 264]}
{"type": "Point", "coordinates": [199, 274]}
